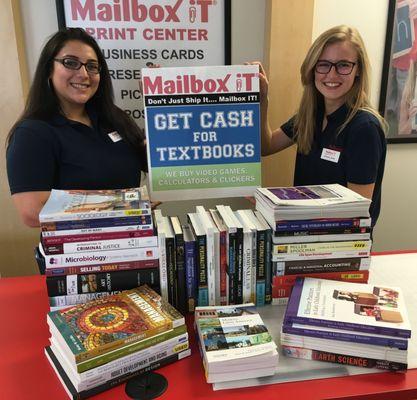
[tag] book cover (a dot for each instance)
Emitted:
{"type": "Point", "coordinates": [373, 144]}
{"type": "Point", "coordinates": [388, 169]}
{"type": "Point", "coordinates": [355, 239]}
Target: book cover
{"type": "Point", "coordinates": [202, 131]}
{"type": "Point", "coordinates": [67, 205]}
{"type": "Point", "coordinates": [315, 196]}
{"type": "Point", "coordinates": [230, 334]}
{"type": "Point", "coordinates": [106, 324]}
{"type": "Point", "coordinates": [352, 306]}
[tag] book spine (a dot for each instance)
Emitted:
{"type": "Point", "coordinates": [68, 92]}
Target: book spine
{"type": "Point", "coordinates": [277, 240]}
{"type": "Point", "coordinates": [260, 268]}
{"type": "Point", "coordinates": [324, 255]}
{"type": "Point", "coordinates": [239, 266]}
{"type": "Point", "coordinates": [153, 365]}
{"type": "Point", "coordinates": [143, 209]}
{"type": "Point", "coordinates": [345, 359]}
{"type": "Point", "coordinates": [379, 330]}
{"type": "Point", "coordinates": [137, 363]}
{"type": "Point", "coordinates": [74, 299]}
{"type": "Point", "coordinates": [210, 267]}
{"type": "Point", "coordinates": [320, 232]}
{"type": "Point", "coordinates": [224, 291]}
{"type": "Point", "coordinates": [246, 268]}
{"type": "Point", "coordinates": [163, 273]}
{"type": "Point", "coordinates": [60, 240]}
{"type": "Point", "coordinates": [203, 298]}
{"type": "Point", "coordinates": [101, 245]}
{"type": "Point", "coordinates": [96, 223]}
{"type": "Point", "coordinates": [141, 230]}
{"type": "Point", "coordinates": [114, 360]}
{"type": "Point", "coordinates": [103, 257]}
{"type": "Point", "coordinates": [191, 275]}
{"type": "Point", "coordinates": [101, 282]}
{"type": "Point", "coordinates": [232, 250]}
{"type": "Point", "coordinates": [320, 247]}
{"type": "Point", "coordinates": [118, 266]}
{"type": "Point", "coordinates": [268, 266]}
{"type": "Point", "coordinates": [101, 387]}
{"type": "Point", "coordinates": [312, 224]}
{"type": "Point", "coordinates": [180, 269]}
{"type": "Point", "coordinates": [346, 276]}
{"type": "Point", "coordinates": [401, 344]}
{"type": "Point", "coordinates": [171, 270]}
{"type": "Point", "coordinates": [281, 268]}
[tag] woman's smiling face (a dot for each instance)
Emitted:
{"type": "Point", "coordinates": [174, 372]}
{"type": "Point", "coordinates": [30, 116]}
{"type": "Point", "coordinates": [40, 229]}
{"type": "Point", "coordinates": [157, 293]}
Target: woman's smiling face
{"type": "Point", "coordinates": [74, 87]}
{"type": "Point", "coordinates": [333, 86]}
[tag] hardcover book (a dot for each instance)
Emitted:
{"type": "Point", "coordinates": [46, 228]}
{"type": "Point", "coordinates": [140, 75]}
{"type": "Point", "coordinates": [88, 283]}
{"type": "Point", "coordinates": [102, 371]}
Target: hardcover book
{"type": "Point", "coordinates": [102, 325]}
{"type": "Point", "coordinates": [350, 306]}
{"type": "Point", "coordinates": [67, 205]}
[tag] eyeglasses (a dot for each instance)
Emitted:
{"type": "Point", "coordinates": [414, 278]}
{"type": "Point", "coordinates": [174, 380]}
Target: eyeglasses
{"type": "Point", "coordinates": [71, 63]}
{"type": "Point", "coordinates": [342, 67]}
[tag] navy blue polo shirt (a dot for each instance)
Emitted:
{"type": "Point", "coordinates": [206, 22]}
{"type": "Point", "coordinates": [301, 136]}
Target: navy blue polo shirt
{"type": "Point", "coordinates": [64, 154]}
{"type": "Point", "coordinates": [357, 154]}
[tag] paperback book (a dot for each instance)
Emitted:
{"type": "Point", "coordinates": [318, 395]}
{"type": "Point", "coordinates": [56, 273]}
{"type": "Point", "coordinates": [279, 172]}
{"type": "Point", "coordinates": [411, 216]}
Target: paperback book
{"type": "Point", "coordinates": [97, 327]}
{"type": "Point", "coordinates": [67, 205]}
{"type": "Point", "coordinates": [350, 306]}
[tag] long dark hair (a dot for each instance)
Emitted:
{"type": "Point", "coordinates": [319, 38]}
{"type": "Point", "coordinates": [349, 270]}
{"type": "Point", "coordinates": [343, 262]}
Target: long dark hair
{"type": "Point", "coordinates": [42, 102]}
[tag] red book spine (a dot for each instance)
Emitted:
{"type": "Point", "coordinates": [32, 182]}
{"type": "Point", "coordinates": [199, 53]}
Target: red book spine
{"type": "Point", "coordinates": [85, 269]}
{"type": "Point", "coordinates": [89, 237]}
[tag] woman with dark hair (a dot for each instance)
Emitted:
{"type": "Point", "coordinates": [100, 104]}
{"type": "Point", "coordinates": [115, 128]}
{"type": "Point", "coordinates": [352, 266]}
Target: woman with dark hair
{"type": "Point", "coordinates": [71, 135]}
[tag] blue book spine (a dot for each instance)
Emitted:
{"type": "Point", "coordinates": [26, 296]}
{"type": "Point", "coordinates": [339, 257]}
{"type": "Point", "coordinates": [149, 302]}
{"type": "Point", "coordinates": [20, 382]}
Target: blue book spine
{"type": "Point", "coordinates": [190, 273]}
{"type": "Point", "coordinates": [317, 224]}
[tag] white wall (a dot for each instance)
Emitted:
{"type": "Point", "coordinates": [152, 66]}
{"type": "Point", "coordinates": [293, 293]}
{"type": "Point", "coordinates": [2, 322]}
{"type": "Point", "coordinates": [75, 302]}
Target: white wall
{"type": "Point", "coordinates": [396, 228]}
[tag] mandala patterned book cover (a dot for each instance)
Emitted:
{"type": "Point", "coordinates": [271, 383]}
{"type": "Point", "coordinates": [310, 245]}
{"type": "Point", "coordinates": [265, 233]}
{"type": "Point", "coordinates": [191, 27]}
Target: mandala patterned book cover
{"type": "Point", "coordinates": [104, 324]}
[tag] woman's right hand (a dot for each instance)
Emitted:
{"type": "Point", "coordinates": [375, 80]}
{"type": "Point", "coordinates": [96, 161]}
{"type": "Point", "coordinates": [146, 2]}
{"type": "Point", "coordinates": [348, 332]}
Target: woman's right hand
{"type": "Point", "coordinates": [263, 81]}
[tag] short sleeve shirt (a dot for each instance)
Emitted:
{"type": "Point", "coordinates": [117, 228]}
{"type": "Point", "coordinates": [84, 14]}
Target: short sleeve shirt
{"type": "Point", "coordinates": [64, 154]}
{"type": "Point", "coordinates": [355, 155]}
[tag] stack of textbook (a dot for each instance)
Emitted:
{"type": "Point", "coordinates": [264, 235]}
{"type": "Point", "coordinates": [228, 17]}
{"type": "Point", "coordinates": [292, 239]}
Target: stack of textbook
{"type": "Point", "coordinates": [322, 231]}
{"type": "Point", "coordinates": [218, 257]}
{"type": "Point", "coordinates": [346, 323]}
{"type": "Point", "coordinates": [234, 343]}
{"type": "Point", "coordinates": [100, 344]}
{"type": "Point", "coordinates": [96, 243]}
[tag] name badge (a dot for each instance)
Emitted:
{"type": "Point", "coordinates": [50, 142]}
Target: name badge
{"type": "Point", "coordinates": [330, 155]}
{"type": "Point", "coordinates": [114, 136]}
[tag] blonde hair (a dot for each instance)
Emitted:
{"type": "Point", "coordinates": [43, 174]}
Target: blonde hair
{"type": "Point", "coordinates": [357, 98]}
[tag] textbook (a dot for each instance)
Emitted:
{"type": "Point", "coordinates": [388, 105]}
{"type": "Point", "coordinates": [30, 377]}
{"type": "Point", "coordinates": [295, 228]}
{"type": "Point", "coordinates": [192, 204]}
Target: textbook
{"type": "Point", "coordinates": [99, 326]}
{"type": "Point", "coordinates": [234, 343]}
{"type": "Point", "coordinates": [350, 306]}
{"type": "Point", "coordinates": [67, 205]}
{"type": "Point", "coordinates": [309, 202]}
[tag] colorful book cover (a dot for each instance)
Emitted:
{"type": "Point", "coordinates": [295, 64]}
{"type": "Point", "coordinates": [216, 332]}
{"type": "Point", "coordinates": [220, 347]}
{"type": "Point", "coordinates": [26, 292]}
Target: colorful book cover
{"type": "Point", "coordinates": [106, 324]}
{"type": "Point", "coordinates": [67, 205]}
{"type": "Point", "coordinates": [352, 306]}
{"type": "Point", "coordinates": [230, 333]}
{"type": "Point", "coordinates": [202, 131]}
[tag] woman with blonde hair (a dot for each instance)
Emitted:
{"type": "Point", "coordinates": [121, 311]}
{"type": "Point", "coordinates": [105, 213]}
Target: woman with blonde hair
{"type": "Point", "coordinates": [340, 136]}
